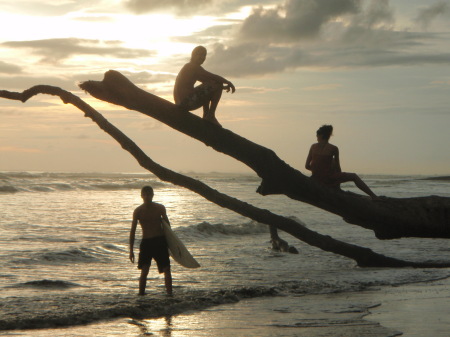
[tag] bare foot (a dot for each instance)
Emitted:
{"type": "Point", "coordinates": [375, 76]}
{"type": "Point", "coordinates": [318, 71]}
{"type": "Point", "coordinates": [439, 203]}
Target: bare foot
{"type": "Point", "coordinates": [212, 120]}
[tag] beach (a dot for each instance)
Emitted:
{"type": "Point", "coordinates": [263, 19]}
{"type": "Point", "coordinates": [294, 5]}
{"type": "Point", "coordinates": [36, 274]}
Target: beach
{"type": "Point", "coordinates": [67, 273]}
{"type": "Point", "coordinates": [408, 310]}
{"type": "Point", "coordinates": [416, 309]}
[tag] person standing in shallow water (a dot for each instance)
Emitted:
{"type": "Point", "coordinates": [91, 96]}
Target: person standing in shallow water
{"type": "Point", "coordinates": [153, 244]}
{"type": "Point", "coordinates": [323, 162]}
{"type": "Point", "coordinates": [207, 94]}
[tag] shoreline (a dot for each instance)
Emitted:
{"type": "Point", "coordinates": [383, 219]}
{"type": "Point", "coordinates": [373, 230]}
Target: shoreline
{"type": "Point", "coordinates": [412, 310]}
{"type": "Point", "coordinates": [416, 309]}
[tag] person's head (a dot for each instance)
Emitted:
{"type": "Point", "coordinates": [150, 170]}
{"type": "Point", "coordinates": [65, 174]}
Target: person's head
{"type": "Point", "coordinates": [198, 55]}
{"type": "Point", "coordinates": [147, 193]}
{"type": "Point", "coordinates": [325, 132]}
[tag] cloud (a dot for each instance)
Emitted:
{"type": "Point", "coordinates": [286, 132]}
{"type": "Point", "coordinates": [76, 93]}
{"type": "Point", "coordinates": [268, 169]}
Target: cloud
{"type": "Point", "coordinates": [69, 81]}
{"type": "Point", "coordinates": [95, 18]}
{"type": "Point", "coordinates": [440, 83]}
{"type": "Point", "coordinates": [15, 149]}
{"type": "Point", "coordinates": [56, 50]}
{"type": "Point", "coordinates": [261, 90]}
{"type": "Point", "coordinates": [295, 19]}
{"type": "Point", "coordinates": [426, 15]}
{"type": "Point", "coordinates": [206, 36]}
{"type": "Point", "coordinates": [377, 14]}
{"type": "Point", "coordinates": [246, 59]}
{"type": "Point", "coordinates": [48, 7]}
{"type": "Point", "coordinates": [22, 82]}
{"type": "Point", "coordinates": [191, 7]}
{"type": "Point", "coordinates": [7, 68]}
{"type": "Point", "coordinates": [323, 87]}
{"type": "Point", "coordinates": [323, 34]}
{"type": "Point", "coordinates": [184, 7]}
{"type": "Point", "coordinates": [255, 60]}
{"type": "Point", "coordinates": [145, 77]}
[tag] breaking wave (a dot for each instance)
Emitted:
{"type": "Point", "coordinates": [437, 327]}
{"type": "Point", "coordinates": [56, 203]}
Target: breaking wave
{"type": "Point", "coordinates": [15, 182]}
{"type": "Point", "coordinates": [71, 309]}
{"type": "Point", "coordinates": [47, 284]}
{"type": "Point", "coordinates": [101, 254]}
{"type": "Point", "coordinates": [8, 189]}
{"type": "Point", "coordinates": [208, 229]}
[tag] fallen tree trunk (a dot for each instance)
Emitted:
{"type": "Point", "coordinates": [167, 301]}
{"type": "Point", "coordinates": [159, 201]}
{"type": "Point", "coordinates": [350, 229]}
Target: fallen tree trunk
{"type": "Point", "coordinates": [364, 257]}
{"type": "Point", "coordinates": [389, 218]}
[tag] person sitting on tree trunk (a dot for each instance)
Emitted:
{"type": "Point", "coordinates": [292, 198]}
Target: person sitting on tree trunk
{"type": "Point", "coordinates": [207, 94]}
{"type": "Point", "coordinates": [323, 162]}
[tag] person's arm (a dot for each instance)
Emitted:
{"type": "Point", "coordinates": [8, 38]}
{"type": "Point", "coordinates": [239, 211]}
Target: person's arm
{"type": "Point", "coordinates": [308, 160]}
{"type": "Point", "coordinates": [133, 234]}
{"type": "Point", "coordinates": [164, 215]}
{"type": "Point", "coordinates": [336, 161]}
{"type": "Point", "coordinates": [205, 76]}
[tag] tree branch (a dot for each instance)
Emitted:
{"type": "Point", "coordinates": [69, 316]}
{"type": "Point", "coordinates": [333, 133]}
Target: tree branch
{"type": "Point", "coordinates": [364, 257]}
{"type": "Point", "coordinates": [389, 218]}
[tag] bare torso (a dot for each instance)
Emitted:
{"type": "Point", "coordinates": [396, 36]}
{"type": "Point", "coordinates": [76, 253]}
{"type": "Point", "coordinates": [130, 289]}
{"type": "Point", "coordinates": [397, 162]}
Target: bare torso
{"type": "Point", "coordinates": [184, 84]}
{"type": "Point", "coordinates": [325, 149]}
{"type": "Point", "coordinates": [323, 160]}
{"type": "Point", "coordinates": [149, 217]}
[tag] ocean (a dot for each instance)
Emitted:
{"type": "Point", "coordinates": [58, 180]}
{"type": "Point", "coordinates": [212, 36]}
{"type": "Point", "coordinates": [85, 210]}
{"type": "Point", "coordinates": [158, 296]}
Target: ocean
{"type": "Point", "coordinates": [65, 269]}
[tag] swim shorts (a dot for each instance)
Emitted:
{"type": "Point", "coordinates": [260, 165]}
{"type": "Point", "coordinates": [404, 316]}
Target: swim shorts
{"type": "Point", "coordinates": [201, 95]}
{"type": "Point", "coordinates": [335, 179]}
{"type": "Point", "coordinates": [154, 248]}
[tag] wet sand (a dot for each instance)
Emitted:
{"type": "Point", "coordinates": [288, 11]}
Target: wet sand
{"type": "Point", "coordinates": [418, 310]}
{"type": "Point", "coordinates": [412, 310]}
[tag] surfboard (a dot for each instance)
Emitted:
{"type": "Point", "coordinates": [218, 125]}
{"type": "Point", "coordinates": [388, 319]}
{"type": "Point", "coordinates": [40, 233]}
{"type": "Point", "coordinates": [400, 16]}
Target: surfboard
{"type": "Point", "coordinates": [177, 249]}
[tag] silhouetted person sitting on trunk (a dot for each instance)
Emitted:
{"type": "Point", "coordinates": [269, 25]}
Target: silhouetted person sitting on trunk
{"type": "Point", "coordinates": [207, 94]}
{"type": "Point", "coordinates": [323, 161]}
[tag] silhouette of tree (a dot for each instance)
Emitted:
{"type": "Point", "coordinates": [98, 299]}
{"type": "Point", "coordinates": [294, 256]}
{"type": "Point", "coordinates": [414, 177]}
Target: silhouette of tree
{"type": "Point", "coordinates": [389, 218]}
{"type": "Point", "coordinates": [136, 99]}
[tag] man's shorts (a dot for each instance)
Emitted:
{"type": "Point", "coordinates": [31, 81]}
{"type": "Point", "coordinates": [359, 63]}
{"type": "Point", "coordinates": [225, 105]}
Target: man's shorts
{"type": "Point", "coordinates": [200, 96]}
{"type": "Point", "coordinates": [334, 179]}
{"type": "Point", "coordinates": [154, 248]}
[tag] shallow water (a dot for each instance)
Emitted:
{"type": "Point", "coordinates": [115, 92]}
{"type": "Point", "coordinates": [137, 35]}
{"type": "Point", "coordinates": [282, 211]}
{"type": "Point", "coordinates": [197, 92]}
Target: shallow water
{"type": "Point", "coordinates": [64, 247]}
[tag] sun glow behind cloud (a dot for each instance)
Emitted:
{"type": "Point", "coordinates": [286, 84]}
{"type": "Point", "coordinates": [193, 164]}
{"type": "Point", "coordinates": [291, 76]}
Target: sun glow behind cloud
{"type": "Point", "coordinates": [154, 32]}
{"type": "Point", "coordinates": [293, 71]}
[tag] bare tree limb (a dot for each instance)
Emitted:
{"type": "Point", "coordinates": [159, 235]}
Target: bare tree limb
{"type": "Point", "coordinates": [389, 218]}
{"type": "Point", "coordinates": [364, 257]}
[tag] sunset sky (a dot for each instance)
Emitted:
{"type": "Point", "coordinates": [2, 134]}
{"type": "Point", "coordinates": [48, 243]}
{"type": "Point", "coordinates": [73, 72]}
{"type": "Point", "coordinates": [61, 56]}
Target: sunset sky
{"type": "Point", "coordinates": [378, 71]}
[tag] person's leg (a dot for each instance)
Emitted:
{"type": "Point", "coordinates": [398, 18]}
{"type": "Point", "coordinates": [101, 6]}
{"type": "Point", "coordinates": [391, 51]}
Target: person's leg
{"type": "Point", "coordinates": [206, 109]}
{"type": "Point", "coordinates": [362, 186]}
{"type": "Point", "coordinates": [209, 109]}
{"type": "Point", "coordinates": [168, 280]}
{"type": "Point", "coordinates": [143, 279]}
{"type": "Point", "coordinates": [162, 259]}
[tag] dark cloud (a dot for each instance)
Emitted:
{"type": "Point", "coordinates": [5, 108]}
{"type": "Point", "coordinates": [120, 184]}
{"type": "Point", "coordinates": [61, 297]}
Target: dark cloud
{"type": "Point", "coordinates": [7, 68]}
{"type": "Point", "coordinates": [426, 15]}
{"type": "Point", "coordinates": [295, 19]}
{"type": "Point", "coordinates": [324, 34]}
{"type": "Point", "coordinates": [55, 50]}
{"type": "Point", "coordinates": [257, 60]}
{"type": "Point", "coordinates": [246, 59]}
{"type": "Point", "coordinates": [378, 14]}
